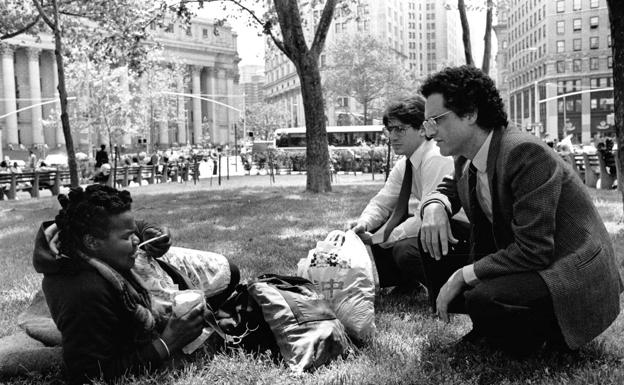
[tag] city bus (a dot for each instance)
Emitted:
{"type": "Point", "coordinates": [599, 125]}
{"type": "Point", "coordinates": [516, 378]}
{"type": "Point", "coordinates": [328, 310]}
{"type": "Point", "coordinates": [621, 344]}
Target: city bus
{"type": "Point", "coordinates": [337, 136]}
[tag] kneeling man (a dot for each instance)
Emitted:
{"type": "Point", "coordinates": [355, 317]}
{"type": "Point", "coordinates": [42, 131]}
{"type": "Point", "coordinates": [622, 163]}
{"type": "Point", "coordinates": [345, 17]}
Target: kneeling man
{"type": "Point", "coordinates": [387, 215]}
{"type": "Point", "coordinates": [543, 266]}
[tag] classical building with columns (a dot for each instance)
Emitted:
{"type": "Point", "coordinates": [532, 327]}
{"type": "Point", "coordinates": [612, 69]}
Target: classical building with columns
{"type": "Point", "coordinates": [209, 103]}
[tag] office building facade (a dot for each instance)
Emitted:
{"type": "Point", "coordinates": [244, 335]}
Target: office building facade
{"type": "Point", "coordinates": [423, 34]}
{"type": "Point", "coordinates": [556, 65]}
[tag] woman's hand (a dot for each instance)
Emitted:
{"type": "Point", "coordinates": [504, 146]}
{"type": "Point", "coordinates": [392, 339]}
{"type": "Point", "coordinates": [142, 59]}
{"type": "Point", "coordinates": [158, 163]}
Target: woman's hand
{"type": "Point", "coordinates": [180, 331]}
{"type": "Point", "coordinates": [159, 247]}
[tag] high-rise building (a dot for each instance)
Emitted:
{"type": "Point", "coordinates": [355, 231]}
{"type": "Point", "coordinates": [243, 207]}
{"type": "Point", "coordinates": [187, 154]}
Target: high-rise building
{"type": "Point", "coordinates": [424, 34]}
{"type": "Point", "coordinates": [555, 59]}
{"type": "Point", "coordinates": [28, 78]}
{"type": "Point", "coordinates": [252, 83]}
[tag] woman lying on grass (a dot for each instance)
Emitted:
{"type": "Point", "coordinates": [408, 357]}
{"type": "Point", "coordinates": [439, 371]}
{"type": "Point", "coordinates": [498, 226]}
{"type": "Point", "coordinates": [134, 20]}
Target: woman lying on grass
{"type": "Point", "coordinates": [98, 303]}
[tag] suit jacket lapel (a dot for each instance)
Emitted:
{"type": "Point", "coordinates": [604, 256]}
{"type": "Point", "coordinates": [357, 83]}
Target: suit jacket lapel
{"type": "Point", "coordinates": [491, 171]}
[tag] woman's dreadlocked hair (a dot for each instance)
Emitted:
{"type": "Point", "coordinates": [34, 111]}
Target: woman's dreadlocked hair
{"type": "Point", "coordinates": [88, 212]}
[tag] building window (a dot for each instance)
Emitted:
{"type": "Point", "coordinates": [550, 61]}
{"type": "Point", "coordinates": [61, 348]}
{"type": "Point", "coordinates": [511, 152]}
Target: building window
{"type": "Point", "coordinates": [593, 3]}
{"type": "Point", "coordinates": [593, 42]}
{"type": "Point", "coordinates": [576, 44]}
{"type": "Point", "coordinates": [560, 6]}
{"type": "Point", "coordinates": [593, 63]}
{"type": "Point", "coordinates": [322, 60]}
{"type": "Point", "coordinates": [610, 62]}
{"type": "Point", "coordinates": [576, 25]}
{"type": "Point", "coordinates": [576, 65]}
{"type": "Point", "coordinates": [593, 22]}
{"type": "Point", "coordinates": [560, 66]}
{"type": "Point", "coordinates": [577, 5]}
{"type": "Point", "coordinates": [169, 28]}
{"type": "Point", "coordinates": [189, 32]}
{"type": "Point", "coordinates": [560, 27]}
{"type": "Point", "coordinates": [609, 40]}
{"type": "Point", "coordinates": [205, 32]}
{"type": "Point", "coordinates": [560, 46]}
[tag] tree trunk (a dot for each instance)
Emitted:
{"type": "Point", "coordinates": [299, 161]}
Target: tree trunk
{"type": "Point", "coordinates": [616, 18]}
{"type": "Point", "coordinates": [317, 152]}
{"type": "Point", "coordinates": [69, 142]}
{"type": "Point", "coordinates": [461, 7]}
{"type": "Point", "coordinates": [487, 39]}
{"type": "Point", "coordinates": [366, 113]}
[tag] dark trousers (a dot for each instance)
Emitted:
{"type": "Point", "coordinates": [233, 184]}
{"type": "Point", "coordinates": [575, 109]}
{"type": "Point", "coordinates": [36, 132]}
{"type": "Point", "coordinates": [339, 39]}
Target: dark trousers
{"type": "Point", "coordinates": [399, 265]}
{"type": "Point", "coordinates": [513, 313]}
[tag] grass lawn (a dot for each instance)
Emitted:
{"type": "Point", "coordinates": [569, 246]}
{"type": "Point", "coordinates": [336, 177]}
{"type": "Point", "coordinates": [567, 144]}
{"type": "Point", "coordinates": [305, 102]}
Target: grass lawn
{"type": "Point", "coordinates": [268, 229]}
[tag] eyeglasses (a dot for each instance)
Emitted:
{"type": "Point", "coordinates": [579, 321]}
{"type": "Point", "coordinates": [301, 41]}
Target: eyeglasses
{"type": "Point", "coordinates": [431, 124]}
{"type": "Point", "coordinates": [397, 130]}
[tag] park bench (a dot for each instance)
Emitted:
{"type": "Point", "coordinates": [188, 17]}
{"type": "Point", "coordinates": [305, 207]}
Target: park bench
{"type": "Point", "coordinates": [32, 182]}
{"type": "Point", "coordinates": [126, 174]}
{"type": "Point", "coordinates": [149, 173]}
{"type": "Point", "coordinates": [592, 167]}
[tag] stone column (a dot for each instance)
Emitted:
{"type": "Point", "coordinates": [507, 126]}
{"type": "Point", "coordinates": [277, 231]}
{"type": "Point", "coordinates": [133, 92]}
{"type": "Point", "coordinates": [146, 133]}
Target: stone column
{"type": "Point", "coordinates": [181, 120]}
{"type": "Point", "coordinates": [230, 101]}
{"type": "Point", "coordinates": [10, 104]}
{"type": "Point", "coordinates": [222, 118]}
{"type": "Point", "coordinates": [212, 107]}
{"type": "Point", "coordinates": [197, 115]}
{"type": "Point", "coordinates": [34, 82]}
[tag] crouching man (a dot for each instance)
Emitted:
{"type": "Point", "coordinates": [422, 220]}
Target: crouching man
{"type": "Point", "coordinates": [543, 266]}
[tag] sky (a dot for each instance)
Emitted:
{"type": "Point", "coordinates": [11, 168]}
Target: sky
{"type": "Point", "coordinates": [251, 41]}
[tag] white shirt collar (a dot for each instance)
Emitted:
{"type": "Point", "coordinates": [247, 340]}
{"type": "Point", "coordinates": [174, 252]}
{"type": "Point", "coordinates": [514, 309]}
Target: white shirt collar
{"type": "Point", "coordinates": [480, 160]}
{"type": "Point", "coordinates": [419, 154]}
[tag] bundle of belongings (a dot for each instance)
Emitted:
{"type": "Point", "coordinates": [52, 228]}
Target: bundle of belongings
{"type": "Point", "coordinates": [306, 321]}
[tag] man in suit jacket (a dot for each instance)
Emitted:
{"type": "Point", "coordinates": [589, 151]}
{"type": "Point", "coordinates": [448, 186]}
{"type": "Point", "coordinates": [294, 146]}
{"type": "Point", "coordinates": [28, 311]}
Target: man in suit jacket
{"type": "Point", "coordinates": [396, 250]}
{"type": "Point", "coordinates": [543, 264]}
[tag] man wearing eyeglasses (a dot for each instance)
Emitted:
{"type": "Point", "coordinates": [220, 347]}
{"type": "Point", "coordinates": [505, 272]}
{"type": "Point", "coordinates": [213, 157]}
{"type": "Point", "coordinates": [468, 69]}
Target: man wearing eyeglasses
{"type": "Point", "coordinates": [386, 222]}
{"type": "Point", "coordinates": [543, 269]}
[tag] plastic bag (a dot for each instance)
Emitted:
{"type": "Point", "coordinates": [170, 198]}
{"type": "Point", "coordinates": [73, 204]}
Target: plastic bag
{"type": "Point", "coordinates": [208, 271]}
{"type": "Point", "coordinates": [343, 271]}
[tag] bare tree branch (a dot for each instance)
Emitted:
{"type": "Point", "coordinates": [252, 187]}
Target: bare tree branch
{"type": "Point", "coordinates": [43, 14]}
{"type": "Point", "coordinates": [487, 38]}
{"type": "Point", "coordinates": [461, 7]}
{"type": "Point", "coordinates": [290, 25]}
{"type": "Point", "coordinates": [21, 30]}
{"type": "Point", "coordinates": [326, 19]}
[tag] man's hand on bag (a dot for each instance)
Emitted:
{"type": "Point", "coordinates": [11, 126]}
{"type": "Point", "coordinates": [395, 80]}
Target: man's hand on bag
{"type": "Point", "coordinates": [160, 246]}
{"type": "Point", "coordinates": [435, 231]}
{"type": "Point", "coordinates": [356, 227]}
{"type": "Point", "coordinates": [360, 230]}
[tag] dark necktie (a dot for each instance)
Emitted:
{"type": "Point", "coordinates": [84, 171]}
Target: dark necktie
{"type": "Point", "coordinates": [400, 212]}
{"type": "Point", "coordinates": [482, 240]}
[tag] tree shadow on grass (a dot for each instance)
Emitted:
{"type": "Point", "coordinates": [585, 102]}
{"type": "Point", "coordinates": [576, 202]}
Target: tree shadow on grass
{"type": "Point", "coordinates": [483, 365]}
